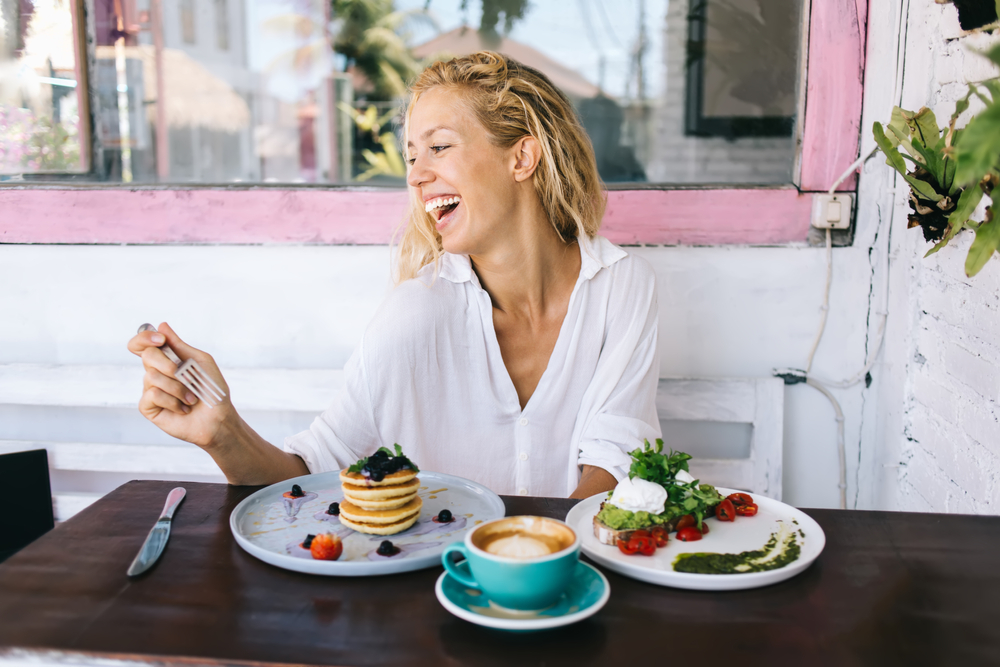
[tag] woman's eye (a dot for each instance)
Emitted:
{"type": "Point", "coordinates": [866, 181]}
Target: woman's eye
{"type": "Point", "coordinates": [438, 149]}
{"type": "Point", "coordinates": [411, 160]}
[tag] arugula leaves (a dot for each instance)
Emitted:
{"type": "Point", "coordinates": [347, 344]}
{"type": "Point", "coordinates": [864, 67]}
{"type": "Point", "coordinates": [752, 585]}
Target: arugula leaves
{"type": "Point", "coordinates": [650, 464]}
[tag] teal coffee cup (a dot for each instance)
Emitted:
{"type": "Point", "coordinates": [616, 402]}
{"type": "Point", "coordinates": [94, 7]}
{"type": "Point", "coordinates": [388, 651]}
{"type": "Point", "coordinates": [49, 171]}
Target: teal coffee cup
{"type": "Point", "coordinates": [519, 562]}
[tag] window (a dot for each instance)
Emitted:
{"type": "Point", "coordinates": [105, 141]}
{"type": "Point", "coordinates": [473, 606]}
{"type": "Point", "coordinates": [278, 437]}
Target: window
{"type": "Point", "coordinates": [43, 90]}
{"type": "Point", "coordinates": [287, 108]}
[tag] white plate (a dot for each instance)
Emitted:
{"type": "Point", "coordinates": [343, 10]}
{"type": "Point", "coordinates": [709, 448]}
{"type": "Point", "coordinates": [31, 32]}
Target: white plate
{"type": "Point", "coordinates": [262, 527]}
{"type": "Point", "coordinates": [744, 534]}
{"type": "Point", "coordinates": [587, 594]}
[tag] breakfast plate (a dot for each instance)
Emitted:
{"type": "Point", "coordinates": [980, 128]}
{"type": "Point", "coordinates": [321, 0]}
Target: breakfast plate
{"type": "Point", "coordinates": [743, 534]}
{"type": "Point", "coordinates": [587, 593]}
{"type": "Point", "coordinates": [271, 527]}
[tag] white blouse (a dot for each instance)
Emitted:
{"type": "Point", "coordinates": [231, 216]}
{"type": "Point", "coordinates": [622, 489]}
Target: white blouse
{"type": "Point", "coordinates": [429, 376]}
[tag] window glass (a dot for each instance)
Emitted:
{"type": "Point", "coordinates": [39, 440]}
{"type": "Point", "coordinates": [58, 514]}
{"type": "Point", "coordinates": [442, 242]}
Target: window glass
{"type": "Point", "coordinates": [303, 91]}
{"type": "Point", "coordinates": [41, 96]}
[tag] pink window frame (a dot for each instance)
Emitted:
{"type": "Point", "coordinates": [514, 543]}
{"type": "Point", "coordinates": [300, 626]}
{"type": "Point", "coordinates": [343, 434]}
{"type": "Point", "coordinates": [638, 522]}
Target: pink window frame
{"type": "Point", "coordinates": [254, 215]}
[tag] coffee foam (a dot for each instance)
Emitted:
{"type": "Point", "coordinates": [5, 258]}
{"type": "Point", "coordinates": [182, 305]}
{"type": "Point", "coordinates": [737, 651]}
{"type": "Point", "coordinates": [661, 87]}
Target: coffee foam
{"type": "Point", "coordinates": [523, 537]}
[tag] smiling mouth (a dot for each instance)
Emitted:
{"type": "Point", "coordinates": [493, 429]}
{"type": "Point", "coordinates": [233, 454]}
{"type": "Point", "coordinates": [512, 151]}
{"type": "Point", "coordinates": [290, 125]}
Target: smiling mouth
{"type": "Point", "coordinates": [442, 206]}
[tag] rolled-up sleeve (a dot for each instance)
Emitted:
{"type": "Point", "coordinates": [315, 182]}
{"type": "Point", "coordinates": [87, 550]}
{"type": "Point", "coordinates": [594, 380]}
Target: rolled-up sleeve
{"type": "Point", "coordinates": [335, 438]}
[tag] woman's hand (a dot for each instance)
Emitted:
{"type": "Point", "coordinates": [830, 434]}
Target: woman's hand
{"type": "Point", "coordinates": [168, 403]}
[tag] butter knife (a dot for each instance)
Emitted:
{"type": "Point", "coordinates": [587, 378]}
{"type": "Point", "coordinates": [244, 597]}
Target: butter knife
{"type": "Point", "coordinates": [156, 541]}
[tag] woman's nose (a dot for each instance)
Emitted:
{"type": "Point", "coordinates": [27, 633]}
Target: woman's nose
{"type": "Point", "coordinates": [418, 175]}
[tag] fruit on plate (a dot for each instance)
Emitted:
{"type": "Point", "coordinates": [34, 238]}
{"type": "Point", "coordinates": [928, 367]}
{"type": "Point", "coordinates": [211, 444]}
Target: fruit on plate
{"type": "Point", "coordinates": [326, 546]}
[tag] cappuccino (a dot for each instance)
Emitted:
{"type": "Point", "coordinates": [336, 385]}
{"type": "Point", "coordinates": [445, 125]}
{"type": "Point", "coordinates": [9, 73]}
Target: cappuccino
{"type": "Point", "coordinates": [524, 537]}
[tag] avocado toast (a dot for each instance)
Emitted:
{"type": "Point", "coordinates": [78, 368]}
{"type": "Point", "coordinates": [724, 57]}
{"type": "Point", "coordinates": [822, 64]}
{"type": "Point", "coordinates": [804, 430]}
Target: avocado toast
{"type": "Point", "coordinates": [683, 496]}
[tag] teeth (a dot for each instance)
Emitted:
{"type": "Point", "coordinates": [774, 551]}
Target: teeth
{"type": "Point", "coordinates": [439, 202]}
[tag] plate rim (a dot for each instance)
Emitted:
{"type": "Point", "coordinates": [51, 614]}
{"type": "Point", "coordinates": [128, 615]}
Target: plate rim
{"type": "Point", "coordinates": [526, 624]}
{"type": "Point", "coordinates": [346, 569]}
{"type": "Point", "coordinates": [693, 581]}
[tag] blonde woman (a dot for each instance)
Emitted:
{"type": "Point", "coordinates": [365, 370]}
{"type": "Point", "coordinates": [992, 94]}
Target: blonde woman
{"type": "Point", "coordinates": [518, 349]}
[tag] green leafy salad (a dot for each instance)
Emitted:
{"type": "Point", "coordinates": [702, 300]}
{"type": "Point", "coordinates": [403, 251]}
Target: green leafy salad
{"type": "Point", "coordinates": [650, 464]}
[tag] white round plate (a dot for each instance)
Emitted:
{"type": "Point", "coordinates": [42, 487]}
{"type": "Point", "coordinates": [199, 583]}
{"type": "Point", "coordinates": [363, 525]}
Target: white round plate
{"type": "Point", "coordinates": [261, 525]}
{"type": "Point", "coordinates": [743, 534]}
{"type": "Point", "coordinates": [586, 595]}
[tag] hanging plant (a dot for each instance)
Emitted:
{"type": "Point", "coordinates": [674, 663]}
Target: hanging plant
{"type": "Point", "coordinates": [952, 169]}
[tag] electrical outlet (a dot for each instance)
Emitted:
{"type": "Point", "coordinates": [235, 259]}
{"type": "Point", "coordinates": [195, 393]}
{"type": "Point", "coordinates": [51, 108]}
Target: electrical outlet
{"type": "Point", "coordinates": [832, 211]}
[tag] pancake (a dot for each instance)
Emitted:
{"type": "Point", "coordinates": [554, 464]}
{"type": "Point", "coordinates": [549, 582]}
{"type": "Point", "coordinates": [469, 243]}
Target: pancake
{"type": "Point", "coordinates": [359, 515]}
{"type": "Point", "coordinates": [387, 504]}
{"type": "Point", "coordinates": [380, 528]}
{"type": "Point", "coordinates": [357, 479]}
{"type": "Point", "coordinates": [373, 493]}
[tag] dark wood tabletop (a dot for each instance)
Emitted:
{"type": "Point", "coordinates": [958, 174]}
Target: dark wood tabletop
{"type": "Point", "coordinates": [889, 589]}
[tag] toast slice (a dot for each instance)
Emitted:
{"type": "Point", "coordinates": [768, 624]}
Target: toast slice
{"type": "Point", "coordinates": [605, 534]}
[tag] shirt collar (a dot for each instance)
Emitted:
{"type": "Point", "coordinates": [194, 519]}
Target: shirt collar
{"type": "Point", "coordinates": [595, 253]}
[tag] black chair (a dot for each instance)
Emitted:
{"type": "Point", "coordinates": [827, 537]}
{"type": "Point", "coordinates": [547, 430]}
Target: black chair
{"type": "Point", "coordinates": [26, 496]}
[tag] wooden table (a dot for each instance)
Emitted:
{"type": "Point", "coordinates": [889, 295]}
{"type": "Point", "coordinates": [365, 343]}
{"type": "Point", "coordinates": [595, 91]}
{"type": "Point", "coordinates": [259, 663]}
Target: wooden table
{"type": "Point", "coordinates": [890, 588]}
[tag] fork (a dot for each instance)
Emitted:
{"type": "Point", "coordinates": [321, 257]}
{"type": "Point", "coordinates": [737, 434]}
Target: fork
{"type": "Point", "coordinates": [191, 375]}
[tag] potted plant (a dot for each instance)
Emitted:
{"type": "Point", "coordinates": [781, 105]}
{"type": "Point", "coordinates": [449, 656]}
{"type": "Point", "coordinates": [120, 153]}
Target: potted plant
{"type": "Point", "coordinates": [951, 169]}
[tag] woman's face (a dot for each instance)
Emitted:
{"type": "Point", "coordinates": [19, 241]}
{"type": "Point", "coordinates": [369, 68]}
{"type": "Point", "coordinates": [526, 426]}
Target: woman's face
{"type": "Point", "coordinates": [465, 182]}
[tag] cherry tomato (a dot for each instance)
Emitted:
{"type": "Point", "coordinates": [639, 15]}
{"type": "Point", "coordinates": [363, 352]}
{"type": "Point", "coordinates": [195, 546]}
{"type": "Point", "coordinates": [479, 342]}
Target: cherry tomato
{"type": "Point", "coordinates": [725, 511]}
{"type": "Point", "coordinates": [740, 499]}
{"type": "Point", "coordinates": [641, 533]}
{"type": "Point", "coordinates": [704, 528]}
{"type": "Point", "coordinates": [628, 548]}
{"type": "Point", "coordinates": [685, 521]}
{"type": "Point", "coordinates": [660, 536]}
{"type": "Point", "coordinates": [747, 510]}
{"type": "Point", "coordinates": [647, 545]}
{"type": "Point", "coordinates": [689, 534]}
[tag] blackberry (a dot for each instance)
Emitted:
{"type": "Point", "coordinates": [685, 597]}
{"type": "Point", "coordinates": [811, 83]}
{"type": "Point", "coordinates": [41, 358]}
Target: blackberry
{"type": "Point", "coordinates": [297, 491]}
{"type": "Point", "coordinates": [444, 516]}
{"type": "Point", "coordinates": [334, 509]}
{"type": "Point", "coordinates": [306, 543]}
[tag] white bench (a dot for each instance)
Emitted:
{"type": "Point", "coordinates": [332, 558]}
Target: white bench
{"type": "Point", "coordinates": [86, 417]}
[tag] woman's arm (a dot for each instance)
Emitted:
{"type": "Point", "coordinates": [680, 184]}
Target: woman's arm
{"type": "Point", "coordinates": [594, 480]}
{"type": "Point", "coordinates": [244, 457]}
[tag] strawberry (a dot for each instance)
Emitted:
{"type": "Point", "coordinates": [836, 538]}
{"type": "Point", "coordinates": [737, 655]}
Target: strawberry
{"type": "Point", "coordinates": [326, 546]}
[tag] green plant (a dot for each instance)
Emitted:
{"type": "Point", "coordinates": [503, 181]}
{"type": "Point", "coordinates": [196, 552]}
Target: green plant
{"type": "Point", "coordinates": [952, 169]}
{"type": "Point", "coordinates": [388, 161]}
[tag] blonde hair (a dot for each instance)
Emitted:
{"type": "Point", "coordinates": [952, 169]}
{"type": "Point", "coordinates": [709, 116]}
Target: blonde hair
{"type": "Point", "coordinates": [512, 101]}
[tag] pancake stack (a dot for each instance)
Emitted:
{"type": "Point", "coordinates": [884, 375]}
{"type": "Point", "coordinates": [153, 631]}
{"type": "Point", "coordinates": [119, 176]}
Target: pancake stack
{"type": "Point", "coordinates": [383, 507]}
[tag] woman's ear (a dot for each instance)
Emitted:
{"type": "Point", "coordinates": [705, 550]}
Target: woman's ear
{"type": "Point", "coordinates": [527, 154]}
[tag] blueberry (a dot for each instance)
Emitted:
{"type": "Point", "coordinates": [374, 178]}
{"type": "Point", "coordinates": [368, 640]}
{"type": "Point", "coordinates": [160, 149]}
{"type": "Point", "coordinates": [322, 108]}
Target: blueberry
{"type": "Point", "coordinates": [297, 491]}
{"type": "Point", "coordinates": [387, 549]}
{"type": "Point", "coordinates": [444, 516]}
{"type": "Point", "coordinates": [334, 509]}
{"type": "Point", "coordinates": [306, 543]}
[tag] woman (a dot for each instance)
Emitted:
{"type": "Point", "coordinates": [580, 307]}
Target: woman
{"type": "Point", "coordinates": [518, 348]}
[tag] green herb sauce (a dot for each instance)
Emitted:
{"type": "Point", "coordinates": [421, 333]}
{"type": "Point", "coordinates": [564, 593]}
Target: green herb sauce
{"type": "Point", "coordinates": [741, 563]}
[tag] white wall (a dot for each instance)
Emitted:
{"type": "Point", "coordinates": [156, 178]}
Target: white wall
{"type": "Point", "coordinates": [938, 418]}
{"type": "Point", "coordinates": [724, 312]}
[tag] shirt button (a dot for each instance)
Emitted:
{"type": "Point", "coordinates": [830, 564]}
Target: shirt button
{"type": "Point", "coordinates": [523, 421]}
{"type": "Point", "coordinates": [522, 491]}
{"type": "Point", "coordinates": [523, 456]}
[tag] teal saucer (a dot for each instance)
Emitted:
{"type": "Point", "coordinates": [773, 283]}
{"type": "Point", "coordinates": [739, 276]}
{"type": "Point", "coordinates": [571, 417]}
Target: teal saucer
{"type": "Point", "coordinates": [587, 593]}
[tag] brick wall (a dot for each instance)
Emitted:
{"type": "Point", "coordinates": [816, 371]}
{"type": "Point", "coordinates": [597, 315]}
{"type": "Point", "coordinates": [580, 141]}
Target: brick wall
{"type": "Point", "coordinates": [949, 458]}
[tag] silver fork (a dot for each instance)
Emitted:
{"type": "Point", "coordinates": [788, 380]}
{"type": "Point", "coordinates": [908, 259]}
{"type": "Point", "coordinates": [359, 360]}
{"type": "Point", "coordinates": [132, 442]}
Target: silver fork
{"type": "Point", "coordinates": [191, 375]}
